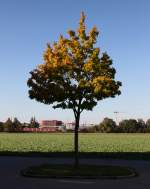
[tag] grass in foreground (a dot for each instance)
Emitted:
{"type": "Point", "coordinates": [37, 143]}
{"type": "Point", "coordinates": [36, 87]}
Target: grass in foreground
{"type": "Point", "coordinates": [55, 171]}
{"type": "Point", "coordinates": [121, 146]}
{"type": "Point", "coordinates": [63, 142]}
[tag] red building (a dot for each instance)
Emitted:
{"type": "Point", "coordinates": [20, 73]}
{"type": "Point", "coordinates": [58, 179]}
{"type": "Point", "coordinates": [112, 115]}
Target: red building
{"type": "Point", "coordinates": [51, 123]}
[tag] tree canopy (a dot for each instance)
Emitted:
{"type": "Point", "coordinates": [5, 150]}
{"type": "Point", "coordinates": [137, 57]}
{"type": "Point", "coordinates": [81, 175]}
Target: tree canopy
{"type": "Point", "coordinates": [107, 125]}
{"type": "Point", "coordinates": [33, 123]}
{"type": "Point", "coordinates": [73, 74]}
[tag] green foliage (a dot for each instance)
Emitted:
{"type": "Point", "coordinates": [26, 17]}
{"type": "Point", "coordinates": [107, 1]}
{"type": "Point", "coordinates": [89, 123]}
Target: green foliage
{"type": "Point", "coordinates": [107, 126]}
{"type": "Point", "coordinates": [129, 126]}
{"type": "Point", "coordinates": [33, 123]}
{"type": "Point", "coordinates": [1, 126]}
{"type": "Point", "coordinates": [148, 123]}
{"type": "Point", "coordinates": [8, 125]}
{"type": "Point", "coordinates": [16, 124]}
{"type": "Point", "coordinates": [125, 126]}
{"type": "Point", "coordinates": [141, 123]}
{"type": "Point", "coordinates": [12, 126]}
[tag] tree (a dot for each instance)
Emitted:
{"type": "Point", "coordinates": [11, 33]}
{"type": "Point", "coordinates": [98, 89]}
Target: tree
{"type": "Point", "coordinates": [1, 126]}
{"type": "Point", "coordinates": [33, 123]}
{"type": "Point", "coordinates": [129, 126]}
{"type": "Point", "coordinates": [141, 125]}
{"type": "Point", "coordinates": [16, 123]}
{"type": "Point", "coordinates": [8, 125]}
{"type": "Point", "coordinates": [74, 75]}
{"type": "Point", "coordinates": [107, 125]}
{"type": "Point", "coordinates": [147, 129]}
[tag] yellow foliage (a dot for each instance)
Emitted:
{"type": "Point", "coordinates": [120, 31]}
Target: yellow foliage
{"type": "Point", "coordinates": [74, 70]}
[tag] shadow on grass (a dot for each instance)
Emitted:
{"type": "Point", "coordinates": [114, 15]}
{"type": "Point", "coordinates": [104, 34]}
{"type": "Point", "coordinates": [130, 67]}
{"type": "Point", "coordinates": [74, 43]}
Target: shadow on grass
{"type": "Point", "coordinates": [102, 155]}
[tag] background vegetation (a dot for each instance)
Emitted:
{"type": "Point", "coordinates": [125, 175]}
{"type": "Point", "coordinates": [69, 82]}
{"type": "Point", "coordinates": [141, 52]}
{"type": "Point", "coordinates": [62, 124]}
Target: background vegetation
{"type": "Point", "coordinates": [106, 126]}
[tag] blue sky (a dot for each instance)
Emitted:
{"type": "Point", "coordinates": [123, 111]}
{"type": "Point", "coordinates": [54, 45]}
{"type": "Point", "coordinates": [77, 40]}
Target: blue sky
{"type": "Point", "coordinates": [27, 25]}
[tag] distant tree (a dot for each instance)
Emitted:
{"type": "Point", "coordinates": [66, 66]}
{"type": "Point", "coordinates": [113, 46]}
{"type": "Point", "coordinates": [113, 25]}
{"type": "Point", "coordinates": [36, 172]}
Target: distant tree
{"type": "Point", "coordinates": [74, 75]}
{"type": "Point", "coordinates": [96, 128]}
{"type": "Point", "coordinates": [33, 123]}
{"type": "Point", "coordinates": [8, 125]}
{"type": "Point", "coordinates": [147, 129]}
{"type": "Point", "coordinates": [141, 125]}
{"type": "Point", "coordinates": [129, 126]}
{"type": "Point", "coordinates": [107, 125]}
{"type": "Point", "coordinates": [16, 124]}
{"type": "Point", "coordinates": [1, 126]}
{"type": "Point", "coordinates": [148, 123]}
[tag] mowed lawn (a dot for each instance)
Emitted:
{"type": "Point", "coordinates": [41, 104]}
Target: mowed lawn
{"type": "Point", "coordinates": [19, 142]}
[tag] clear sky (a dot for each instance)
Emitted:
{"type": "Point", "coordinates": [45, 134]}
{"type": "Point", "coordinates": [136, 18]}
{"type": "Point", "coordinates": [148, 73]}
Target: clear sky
{"type": "Point", "coordinates": [27, 25]}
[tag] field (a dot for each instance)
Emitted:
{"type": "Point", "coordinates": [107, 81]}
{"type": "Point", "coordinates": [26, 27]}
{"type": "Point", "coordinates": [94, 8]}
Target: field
{"type": "Point", "coordinates": [99, 143]}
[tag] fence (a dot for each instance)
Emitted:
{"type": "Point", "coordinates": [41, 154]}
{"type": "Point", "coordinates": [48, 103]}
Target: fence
{"type": "Point", "coordinates": [38, 130]}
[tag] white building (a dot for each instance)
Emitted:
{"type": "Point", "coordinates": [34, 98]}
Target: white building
{"type": "Point", "coordinates": [69, 125]}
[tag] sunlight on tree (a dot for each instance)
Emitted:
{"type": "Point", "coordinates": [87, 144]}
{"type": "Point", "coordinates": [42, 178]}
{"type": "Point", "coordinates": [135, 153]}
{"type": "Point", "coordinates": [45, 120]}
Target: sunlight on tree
{"type": "Point", "coordinates": [74, 75]}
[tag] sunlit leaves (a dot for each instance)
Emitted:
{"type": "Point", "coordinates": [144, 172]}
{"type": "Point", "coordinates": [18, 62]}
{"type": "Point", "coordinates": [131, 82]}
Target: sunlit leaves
{"type": "Point", "coordinates": [74, 74]}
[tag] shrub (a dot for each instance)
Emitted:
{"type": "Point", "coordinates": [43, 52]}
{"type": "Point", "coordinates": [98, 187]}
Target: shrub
{"type": "Point", "coordinates": [92, 129]}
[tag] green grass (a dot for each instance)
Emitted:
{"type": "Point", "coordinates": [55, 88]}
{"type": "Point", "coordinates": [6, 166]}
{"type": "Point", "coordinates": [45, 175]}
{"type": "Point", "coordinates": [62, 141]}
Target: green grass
{"type": "Point", "coordinates": [18, 142]}
{"type": "Point", "coordinates": [90, 171]}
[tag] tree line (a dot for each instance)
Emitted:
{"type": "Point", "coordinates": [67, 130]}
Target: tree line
{"type": "Point", "coordinates": [125, 126]}
{"type": "Point", "coordinates": [106, 126]}
{"type": "Point", "coordinates": [12, 125]}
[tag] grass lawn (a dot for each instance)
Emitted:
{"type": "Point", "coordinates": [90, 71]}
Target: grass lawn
{"type": "Point", "coordinates": [59, 142]}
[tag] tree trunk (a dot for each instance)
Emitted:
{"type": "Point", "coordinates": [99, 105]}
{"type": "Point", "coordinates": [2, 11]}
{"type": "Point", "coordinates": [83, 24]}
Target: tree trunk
{"type": "Point", "coordinates": [76, 149]}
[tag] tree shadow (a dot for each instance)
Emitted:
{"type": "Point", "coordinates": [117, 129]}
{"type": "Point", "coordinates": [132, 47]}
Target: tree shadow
{"type": "Point", "coordinates": [86, 155]}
